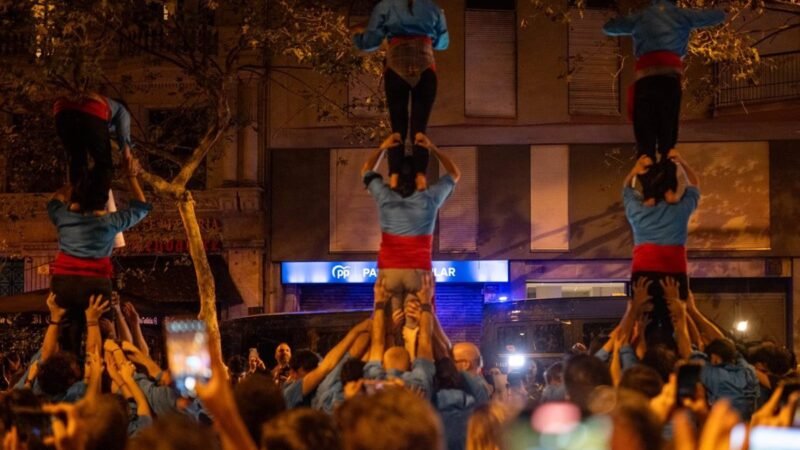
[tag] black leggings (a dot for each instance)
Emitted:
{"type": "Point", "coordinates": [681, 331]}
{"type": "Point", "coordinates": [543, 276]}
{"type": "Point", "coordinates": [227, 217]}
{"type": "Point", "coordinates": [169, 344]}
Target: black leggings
{"type": "Point", "coordinates": [72, 293]}
{"type": "Point", "coordinates": [84, 136]}
{"type": "Point", "coordinates": [422, 96]}
{"type": "Point", "coordinates": [660, 329]}
{"type": "Point", "coordinates": [656, 111]}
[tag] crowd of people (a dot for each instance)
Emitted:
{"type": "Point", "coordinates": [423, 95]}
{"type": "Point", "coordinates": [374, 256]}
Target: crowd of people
{"type": "Point", "coordinates": [666, 377]}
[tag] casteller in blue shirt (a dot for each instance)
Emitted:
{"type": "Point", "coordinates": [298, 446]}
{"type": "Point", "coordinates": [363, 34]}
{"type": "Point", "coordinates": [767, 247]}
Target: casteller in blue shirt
{"type": "Point", "coordinates": [393, 18]}
{"type": "Point", "coordinates": [662, 26]}
{"type": "Point", "coordinates": [410, 216]}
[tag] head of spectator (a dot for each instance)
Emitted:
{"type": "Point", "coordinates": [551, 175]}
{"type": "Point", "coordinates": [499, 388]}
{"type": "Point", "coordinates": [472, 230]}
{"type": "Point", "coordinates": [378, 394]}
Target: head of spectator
{"type": "Point", "coordinates": [413, 421]}
{"type": "Point", "coordinates": [105, 422]}
{"type": "Point", "coordinates": [352, 374]}
{"type": "Point", "coordinates": [300, 429]}
{"type": "Point", "coordinates": [237, 368]}
{"type": "Point", "coordinates": [721, 352]}
{"type": "Point", "coordinates": [582, 375]}
{"type": "Point", "coordinates": [485, 429]}
{"type": "Point", "coordinates": [662, 358]}
{"type": "Point", "coordinates": [174, 432]}
{"type": "Point", "coordinates": [467, 357]}
{"type": "Point", "coordinates": [258, 399]}
{"type": "Point", "coordinates": [283, 354]}
{"type": "Point", "coordinates": [13, 399]}
{"type": "Point", "coordinates": [397, 358]}
{"type": "Point", "coordinates": [635, 425]}
{"type": "Point", "coordinates": [771, 359]}
{"type": "Point", "coordinates": [58, 372]}
{"type": "Point", "coordinates": [554, 390]}
{"type": "Point", "coordinates": [303, 362]}
{"type": "Point", "coordinates": [447, 376]}
{"type": "Point", "coordinates": [642, 379]}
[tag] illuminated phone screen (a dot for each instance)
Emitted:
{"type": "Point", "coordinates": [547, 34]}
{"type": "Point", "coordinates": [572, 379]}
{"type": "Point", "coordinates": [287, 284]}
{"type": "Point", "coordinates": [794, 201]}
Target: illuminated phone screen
{"type": "Point", "coordinates": [187, 353]}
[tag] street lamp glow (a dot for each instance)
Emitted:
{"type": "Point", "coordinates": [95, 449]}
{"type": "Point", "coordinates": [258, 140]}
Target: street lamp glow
{"type": "Point", "coordinates": [741, 326]}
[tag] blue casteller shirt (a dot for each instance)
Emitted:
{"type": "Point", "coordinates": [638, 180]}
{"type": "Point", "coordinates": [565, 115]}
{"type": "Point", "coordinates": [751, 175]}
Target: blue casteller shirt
{"type": "Point", "coordinates": [330, 393]}
{"type": "Point", "coordinates": [736, 382]}
{"type": "Point", "coordinates": [411, 216]}
{"type": "Point", "coordinates": [662, 224]}
{"type": "Point", "coordinates": [120, 123]}
{"type": "Point", "coordinates": [72, 395]}
{"type": "Point", "coordinates": [456, 406]}
{"type": "Point", "coordinates": [662, 26]}
{"type": "Point", "coordinates": [89, 236]}
{"type": "Point", "coordinates": [391, 18]}
{"type": "Point", "coordinates": [420, 376]}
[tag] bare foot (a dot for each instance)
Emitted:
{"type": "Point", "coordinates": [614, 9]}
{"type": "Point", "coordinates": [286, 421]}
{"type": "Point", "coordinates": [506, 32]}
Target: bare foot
{"type": "Point", "coordinates": [393, 180]}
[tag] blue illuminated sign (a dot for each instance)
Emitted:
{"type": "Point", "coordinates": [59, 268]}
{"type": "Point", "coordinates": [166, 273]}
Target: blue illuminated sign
{"type": "Point", "coordinates": [367, 272]}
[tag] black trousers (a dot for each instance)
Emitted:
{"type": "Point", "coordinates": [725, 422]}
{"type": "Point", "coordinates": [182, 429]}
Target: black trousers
{"type": "Point", "coordinates": [656, 111]}
{"type": "Point", "coordinates": [85, 136]}
{"type": "Point", "coordinates": [422, 96]}
{"type": "Point", "coordinates": [660, 329]}
{"type": "Point", "coordinates": [72, 293]}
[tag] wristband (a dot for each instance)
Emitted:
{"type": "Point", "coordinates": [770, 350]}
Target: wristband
{"type": "Point", "coordinates": [91, 323]}
{"type": "Point", "coordinates": [51, 322]}
{"type": "Point", "coordinates": [426, 307]}
{"type": "Point", "coordinates": [380, 305]}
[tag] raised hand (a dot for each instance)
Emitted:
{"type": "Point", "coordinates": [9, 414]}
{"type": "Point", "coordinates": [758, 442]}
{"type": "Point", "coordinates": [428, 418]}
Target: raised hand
{"type": "Point", "coordinates": [427, 289]}
{"type": "Point", "coordinates": [68, 432]}
{"type": "Point", "coordinates": [56, 312]}
{"type": "Point", "coordinates": [379, 289]}
{"type": "Point", "coordinates": [130, 313]}
{"type": "Point", "coordinates": [398, 319]}
{"type": "Point", "coordinates": [391, 141]}
{"type": "Point", "coordinates": [97, 307]}
{"type": "Point", "coordinates": [643, 165]}
{"type": "Point", "coordinates": [671, 288]}
{"type": "Point", "coordinates": [641, 294]}
{"type": "Point", "coordinates": [422, 140]}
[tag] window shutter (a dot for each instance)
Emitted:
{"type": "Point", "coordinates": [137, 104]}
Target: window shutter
{"type": "Point", "coordinates": [593, 66]}
{"type": "Point", "coordinates": [490, 63]}
{"type": "Point", "coordinates": [458, 218]}
{"type": "Point", "coordinates": [354, 214]}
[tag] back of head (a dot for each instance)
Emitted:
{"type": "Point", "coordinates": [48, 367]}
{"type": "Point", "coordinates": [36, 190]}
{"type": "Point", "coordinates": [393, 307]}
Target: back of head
{"type": "Point", "coordinates": [258, 399]}
{"type": "Point", "coordinates": [92, 194]}
{"type": "Point", "coordinates": [392, 419]}
{"type": "Point", "coordinates": [300, 429]}
{"type": "Point", "coordinates": [352, 370]}
{"type": "Point", "coordinates": [106, 422]}
{"type": "Point", "coordinates": [582, 375]}
{"type": "Point", "coordinates": [661, 358]}
{"type": "Point", "coordinates": [304, 360]}
{"type": "Point", "coordinates": [777, 360]}
{"type": "Point", "coordinates": [397, 358]}
{"type": "Point", "coordinates": [447, 375]}
{"type": "Point", "coordinates": [724, 349]}
{"type": "Point", "coordinates": [659, 179]}
{"type": "Point", "coordinates": [642, 379]}
{"type": "Point", "coordinates": [237, 364]}
{"type": "Point", "coordinates": [467, 357]}
{"type": "Point", "coordinates": [554, 373]}
{"type": "Point", "coordinates": [485, 428]}
{"type": "Point", "coordinates": [174, 432]}
{"type": "Point", "coordinates": [406, 183]}
{"type": "Point", "coordinates": [635, 425]}
{"type": "Point", "coordinates": [58, 373]}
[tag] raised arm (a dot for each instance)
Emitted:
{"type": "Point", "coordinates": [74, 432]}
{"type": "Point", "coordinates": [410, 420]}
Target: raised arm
{"type": "Point", "coordinates": [134, 169]}
{"type": "Point", "coordinates": [123, 332]}
{"type": "Point", "coordinates": [449, 166]}
{"type": "Point", "coordinates": [620, 26]}
{"type": "Point", "coordinates": [371, 38]}
{"type": "Point", "coordinates": [677, 312]}
{"type": "Point", "coordinates": [708, 331]}
{"type": "Point", "coordinates": [378, 337]}
{"type": "Point", "coordinates": [641, 167]}
{"type": "Point", "coordinates": [691, 175]}
{"type": "Point", "coordinates": [372, 161]}
{"type": "Point", "coordinates": [97, 306]}
{"type": "Point", "coordinates": [135, 326]}
{"type": "Point", "coordinates": [50, 342]}
{"type": "Point", "coordinates": [425, 338]}
{"type": "Point", "coordinates": [332, 358]}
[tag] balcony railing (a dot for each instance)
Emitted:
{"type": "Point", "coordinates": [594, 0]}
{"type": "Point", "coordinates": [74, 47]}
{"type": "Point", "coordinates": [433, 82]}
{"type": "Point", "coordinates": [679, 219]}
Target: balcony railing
{"type": "Point", "coordinates": [777, 79]}
{"type": "Point", "coordinates": [204, 39]}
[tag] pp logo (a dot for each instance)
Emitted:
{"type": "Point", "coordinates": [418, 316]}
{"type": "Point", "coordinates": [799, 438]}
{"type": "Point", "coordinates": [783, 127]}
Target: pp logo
{"type": "Point", "coordinates": [340, 272]}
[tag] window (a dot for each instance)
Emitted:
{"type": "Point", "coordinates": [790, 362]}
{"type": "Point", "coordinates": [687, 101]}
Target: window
{"type": "Point", "coordinates": [549, 198]}
{"type": "Point", "coordinates": [491, 63]}
{"type": "Point", "coordinates": [12, 276]}
{"type": "Point", "coordinates": [177, 132]}
{"type": "Point", "coordinates": [458, 218]}
{"type": "Point", "coordinates": [574, 290]}
{"type": "Point", "coordinates": [594, 64]}
{"type": "Point", "coordinates": [353, 213]}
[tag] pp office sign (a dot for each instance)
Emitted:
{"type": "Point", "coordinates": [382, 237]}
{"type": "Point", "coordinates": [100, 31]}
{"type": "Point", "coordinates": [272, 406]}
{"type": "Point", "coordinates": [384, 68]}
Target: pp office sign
{"type": "Point", "coordinates": [367, 272]}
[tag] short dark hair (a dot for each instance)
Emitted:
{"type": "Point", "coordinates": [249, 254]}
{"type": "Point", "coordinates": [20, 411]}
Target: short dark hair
{"type": "Point", "coordinates": [632, 411]}
{"type": "Point", "coordinates": [352, 370]}
{"type": "Point", "coordinates": [582, 375]}
{"type": "Point", "coordinates": [237, 364]}
{"type": "Point", "coordinates": [660, 178]}
{"type": "Point", "coordinates": [447, 375]}
{"type": "Point", "coordinates": [723, 348]}
{"type": "Point", "coordinates": [300, 429]}
{"type": "Point", "coordinates": [642, 379]}
{"type": "Point", "coordinates": [106, 422]}
{"type": "Point", "coordinates": [58, 372]}
{"type": "Point", "coordinates": [406, 182]}
{"type": "Point", "coordinates": [258, 399]}
{"type": "Point", "coordinates": [777, 359]}
{"type": "Point", "coordinates": [662, 358]}
{"type": "Point", "coordinates": [554, 373]}
{"type": "Point", "coordinates": [304, 359]}
{"type": "Point", "coordinates": [174, 432]}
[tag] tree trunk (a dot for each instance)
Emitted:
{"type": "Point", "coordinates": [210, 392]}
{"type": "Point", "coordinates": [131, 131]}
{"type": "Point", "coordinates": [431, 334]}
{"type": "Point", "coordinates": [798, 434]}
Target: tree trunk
{"type": "Point", "coordinates": [205, 279]}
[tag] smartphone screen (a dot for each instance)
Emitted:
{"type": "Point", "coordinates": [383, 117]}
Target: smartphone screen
{"type": "Point", "coordinates": [187, 353]}
{"type": "Point", "coordinates": [765, 438]}
{"type": "Point", "coordinates": [688, 377]}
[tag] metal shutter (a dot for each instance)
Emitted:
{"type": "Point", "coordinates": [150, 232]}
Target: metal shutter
{"type": "Point", "coordinates": [458, 218]}
{"type": "Point", "coordinates": [491, 64]}
{"type": "Point", "coordinates": [593, 65]}
{"type": "Point", "coordinates": [549, 197]}
{"type": "Point", "coordinates": [354, 214]}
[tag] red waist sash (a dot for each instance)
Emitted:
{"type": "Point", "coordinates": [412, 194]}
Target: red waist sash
{"type": "Point", "coordinates": [405, 252]}
{"type": "Point", "coordinates": [659, 258]}
{"type": "Point", "coordinates": [65, 264]}
{"type": "Point", "coordinates": [89, 105]}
